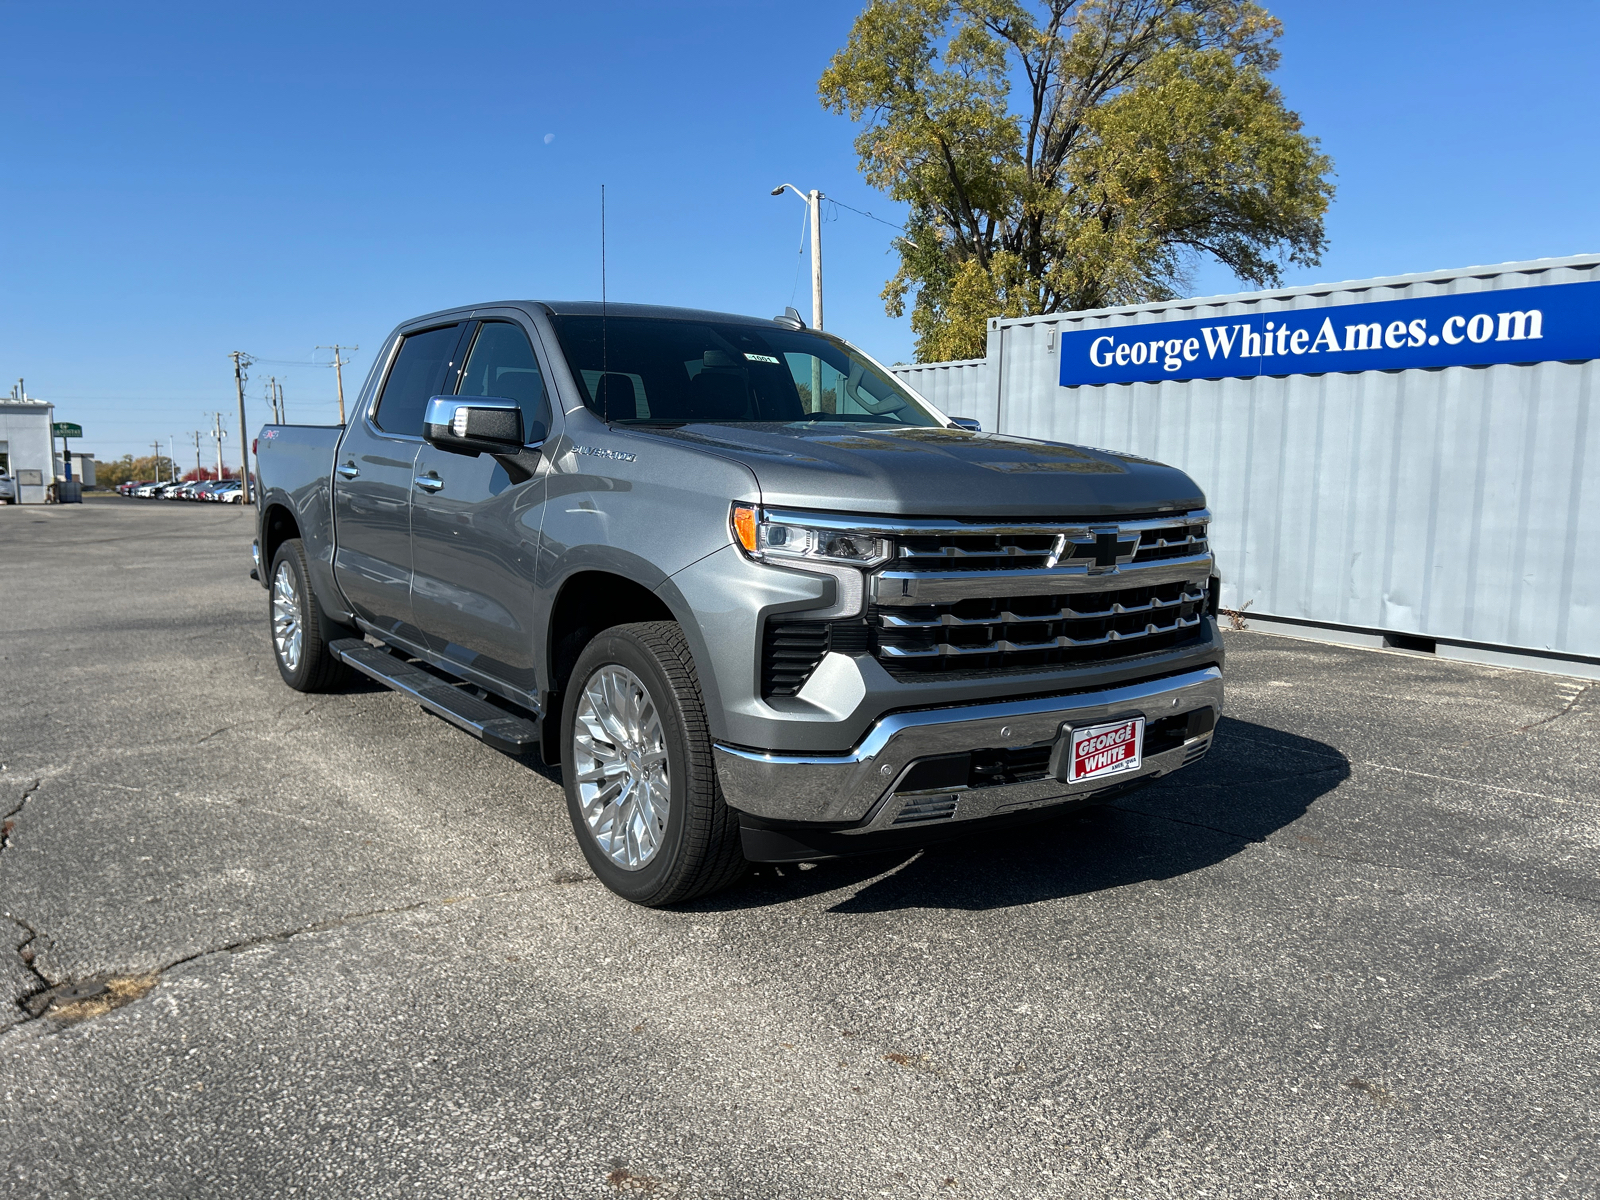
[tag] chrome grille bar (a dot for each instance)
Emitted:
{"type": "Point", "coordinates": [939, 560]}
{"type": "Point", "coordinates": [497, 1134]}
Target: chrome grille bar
{"type": "Point", "coordinates": [908, 587]}
{"type": "Point", "coordinates": [1002, 646]}
{"type": "Point", "coordinates": [937, 527]}
{"type": "Point", "coordinates": [1007, 617]}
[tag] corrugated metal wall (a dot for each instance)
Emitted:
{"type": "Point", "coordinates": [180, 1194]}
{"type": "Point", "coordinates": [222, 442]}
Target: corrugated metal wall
{"type": "Point", "coordinates": [1458, 503]}
{"type": "Point", "coordinates": [955, 388]}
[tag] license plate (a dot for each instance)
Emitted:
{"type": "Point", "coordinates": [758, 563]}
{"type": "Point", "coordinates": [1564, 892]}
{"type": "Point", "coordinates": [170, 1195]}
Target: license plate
{"type": "Point", "coordinates": [1100, 750]}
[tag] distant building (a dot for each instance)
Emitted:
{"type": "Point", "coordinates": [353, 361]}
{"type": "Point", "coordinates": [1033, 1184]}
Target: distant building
{"type": "Point", "coordinates": [27, 449]}
{"type": "Point", "coordinates": [82, 467]}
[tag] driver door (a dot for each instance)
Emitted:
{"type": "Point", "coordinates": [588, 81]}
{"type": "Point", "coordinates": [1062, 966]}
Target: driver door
{"type": "Point", "coordinates": [475, 530]}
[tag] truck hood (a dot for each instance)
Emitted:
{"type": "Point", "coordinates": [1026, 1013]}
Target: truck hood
{"type": "Point", "coordinates": [939, 472]}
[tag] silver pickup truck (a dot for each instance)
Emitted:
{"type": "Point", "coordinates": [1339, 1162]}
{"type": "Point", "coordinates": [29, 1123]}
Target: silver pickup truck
{"type": "Point", "coordinates": [759, 600]}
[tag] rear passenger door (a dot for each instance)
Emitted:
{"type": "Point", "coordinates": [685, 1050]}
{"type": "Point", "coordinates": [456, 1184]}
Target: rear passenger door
{"type": "Point", "coordinates": [374, 479]}
{"type": "Point", "coordinates": [475, 529]}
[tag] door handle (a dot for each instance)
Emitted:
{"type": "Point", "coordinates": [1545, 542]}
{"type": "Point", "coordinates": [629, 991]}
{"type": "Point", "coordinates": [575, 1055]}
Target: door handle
{"type": "Point", "coordinates": [428, 483]}
{"type": "Point", "coordinates": [349, 470]}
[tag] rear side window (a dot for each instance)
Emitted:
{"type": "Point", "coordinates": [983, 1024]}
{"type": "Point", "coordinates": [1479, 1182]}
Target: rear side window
{"type": "Point", "coordinates": [417, 372]}
{"type": "Point", "coordinates": [502, 364]}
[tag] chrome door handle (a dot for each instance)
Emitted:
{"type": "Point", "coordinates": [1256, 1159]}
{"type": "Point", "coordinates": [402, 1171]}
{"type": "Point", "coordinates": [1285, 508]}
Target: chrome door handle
{"type": "Point", "coordinates": [428, 483]}
{"type": "Point", "coordinates": [349, 470]}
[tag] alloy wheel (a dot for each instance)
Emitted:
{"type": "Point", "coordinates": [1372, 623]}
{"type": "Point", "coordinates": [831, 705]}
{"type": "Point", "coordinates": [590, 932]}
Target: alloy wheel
{"type": "Point", "coordinates": [620, 755]}
{"type": "Point", "coordinates": [288, 630]}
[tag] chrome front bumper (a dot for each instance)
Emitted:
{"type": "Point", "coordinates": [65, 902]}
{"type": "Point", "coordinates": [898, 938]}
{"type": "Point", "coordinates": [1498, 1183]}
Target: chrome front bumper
{"type": "Point", "coordinates": [863, 787]}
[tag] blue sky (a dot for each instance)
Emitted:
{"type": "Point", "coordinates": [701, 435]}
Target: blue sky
{"type": "Point", "coordinates": [186, 180]}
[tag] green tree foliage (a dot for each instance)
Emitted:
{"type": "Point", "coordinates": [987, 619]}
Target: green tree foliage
{"type": "Point", "coordinates": [1074, 154]}
{"type": "Point", "coordinates": [110, 474]}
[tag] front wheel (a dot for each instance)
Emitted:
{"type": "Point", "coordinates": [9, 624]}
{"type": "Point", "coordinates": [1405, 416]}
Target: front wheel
{"type": "Point", "coordinates": [640, 782]}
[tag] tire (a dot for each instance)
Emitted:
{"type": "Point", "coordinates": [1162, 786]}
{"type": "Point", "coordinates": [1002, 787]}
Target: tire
{"type": "Point", "coordinates": [697, 848]}
{"type": "Point", "coordinates": [314, 668]}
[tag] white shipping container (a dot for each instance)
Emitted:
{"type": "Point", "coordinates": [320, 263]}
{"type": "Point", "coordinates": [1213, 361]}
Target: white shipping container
{"type": "Point", "coordinates": [1453, 503]}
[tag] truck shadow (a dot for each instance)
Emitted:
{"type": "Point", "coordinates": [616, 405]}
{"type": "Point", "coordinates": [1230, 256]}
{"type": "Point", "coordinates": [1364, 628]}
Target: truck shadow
{"type": "Point", "coordinates": [1255, 781]}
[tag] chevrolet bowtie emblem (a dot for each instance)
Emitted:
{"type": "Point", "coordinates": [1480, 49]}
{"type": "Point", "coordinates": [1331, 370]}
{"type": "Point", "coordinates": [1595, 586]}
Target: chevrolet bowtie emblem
{"type": "Point", "coordinates": [1110, 549]}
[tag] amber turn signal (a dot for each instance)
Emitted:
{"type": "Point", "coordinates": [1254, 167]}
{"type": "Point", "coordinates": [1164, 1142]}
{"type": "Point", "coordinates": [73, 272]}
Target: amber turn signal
{"type": "Point", "coordinates": [744, 527]}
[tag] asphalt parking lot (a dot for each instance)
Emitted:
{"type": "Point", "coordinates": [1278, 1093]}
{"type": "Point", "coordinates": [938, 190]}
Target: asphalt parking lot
{"type": "Point", "coordinates": [347, 950]}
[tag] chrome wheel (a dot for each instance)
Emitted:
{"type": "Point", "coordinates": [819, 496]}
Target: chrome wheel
{"type": "Point", "coordinates": [288, 630]}
{"type": "Point", "coordinates": [619, 753]}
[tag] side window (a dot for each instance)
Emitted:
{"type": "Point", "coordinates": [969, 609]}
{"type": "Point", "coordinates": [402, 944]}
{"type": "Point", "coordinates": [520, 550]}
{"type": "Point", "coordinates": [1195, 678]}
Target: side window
{"type": "Point", "coordinates": [417, 371]}
{"type": "Point", "coordinates": [502, 364]}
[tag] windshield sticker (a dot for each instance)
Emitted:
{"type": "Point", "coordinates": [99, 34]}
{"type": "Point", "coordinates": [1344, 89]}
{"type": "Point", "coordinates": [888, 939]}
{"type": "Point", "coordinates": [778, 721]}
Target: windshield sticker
{"type": "Point", "coordinates": [766, 358]}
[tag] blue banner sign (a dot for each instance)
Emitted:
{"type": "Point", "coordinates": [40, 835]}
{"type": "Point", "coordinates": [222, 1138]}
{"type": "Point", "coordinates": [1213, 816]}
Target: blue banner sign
{"type": "Point", "coordinates": [1559, 322]}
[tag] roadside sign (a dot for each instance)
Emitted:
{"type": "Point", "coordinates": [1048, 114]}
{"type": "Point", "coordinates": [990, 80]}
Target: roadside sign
{"type": "Point", "coordinates": [66, 429]}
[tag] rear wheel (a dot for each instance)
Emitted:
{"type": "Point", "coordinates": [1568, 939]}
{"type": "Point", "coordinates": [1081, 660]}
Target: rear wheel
{"type": "Point", "coordinates": [641, 785]}
{"type": "Point", "coordinates": [299, 639]}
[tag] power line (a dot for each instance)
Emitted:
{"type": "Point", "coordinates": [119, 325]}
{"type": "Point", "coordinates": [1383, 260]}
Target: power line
{"type": "Point", "coordinates": [869, 216]}
{"type": "Point", "coordinates": [799, 257]}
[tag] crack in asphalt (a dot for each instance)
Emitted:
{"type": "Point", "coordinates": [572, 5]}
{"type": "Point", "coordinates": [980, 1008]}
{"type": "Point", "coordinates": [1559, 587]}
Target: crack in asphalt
{"type": "Point", "coordinates": [9, 821]}
{"type": "Point", "coordinates": [23, 949]}
{"type": "Point", "coordinates": [29, 959]}
{"type": "Point", "coordinates": [29, 1016]}
{"type": "Point", "coordinates": [1556, 716]}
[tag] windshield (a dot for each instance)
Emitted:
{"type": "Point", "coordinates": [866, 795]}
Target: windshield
{"type": "Point", "coordinates": [651, 370]}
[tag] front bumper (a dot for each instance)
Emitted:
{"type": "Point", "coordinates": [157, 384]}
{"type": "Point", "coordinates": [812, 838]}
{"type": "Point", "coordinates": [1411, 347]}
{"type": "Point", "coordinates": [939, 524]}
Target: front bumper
{"type": "Point", "coordinates": [883, 784]}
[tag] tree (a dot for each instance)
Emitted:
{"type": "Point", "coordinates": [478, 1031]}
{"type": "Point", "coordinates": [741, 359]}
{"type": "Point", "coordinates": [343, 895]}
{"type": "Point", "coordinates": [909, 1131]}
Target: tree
{"type": "Point", "coordinates": [110, 474]}
{"type": "Point", "coordinates": [1147, 135]}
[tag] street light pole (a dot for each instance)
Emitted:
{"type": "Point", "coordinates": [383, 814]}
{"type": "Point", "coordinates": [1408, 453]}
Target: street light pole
{"type": "Point", "coordinates": [813, 199]}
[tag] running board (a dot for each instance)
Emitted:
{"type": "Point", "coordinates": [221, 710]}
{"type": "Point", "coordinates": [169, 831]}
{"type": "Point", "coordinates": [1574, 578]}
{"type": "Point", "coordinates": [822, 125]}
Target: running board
{"type": "Point", "coordinates": [494, 725]}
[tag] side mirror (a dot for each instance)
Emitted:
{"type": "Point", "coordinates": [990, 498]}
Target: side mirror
{"type": "Point", "coordinates": [966, 423]}
{"type": "Point", "coordinates": [474, 425]}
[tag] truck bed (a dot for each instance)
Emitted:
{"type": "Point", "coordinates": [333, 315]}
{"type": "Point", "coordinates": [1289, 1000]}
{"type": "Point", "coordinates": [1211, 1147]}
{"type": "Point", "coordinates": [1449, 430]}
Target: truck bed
{"type": "Point", "coordinates": [294, 467]}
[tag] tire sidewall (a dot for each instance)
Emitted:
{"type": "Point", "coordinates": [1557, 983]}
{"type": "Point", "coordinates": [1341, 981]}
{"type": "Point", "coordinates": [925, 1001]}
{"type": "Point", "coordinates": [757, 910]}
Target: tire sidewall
{"type": "Point", "coordinates": [658, 876]}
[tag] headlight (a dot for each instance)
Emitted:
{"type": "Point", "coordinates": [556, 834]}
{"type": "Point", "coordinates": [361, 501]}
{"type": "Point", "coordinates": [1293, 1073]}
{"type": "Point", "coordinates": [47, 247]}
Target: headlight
{"type": "Point", "coordinates": [791, 542]}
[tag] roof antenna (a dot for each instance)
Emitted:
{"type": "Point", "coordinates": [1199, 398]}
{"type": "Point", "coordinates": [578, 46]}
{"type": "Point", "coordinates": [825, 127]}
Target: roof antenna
{"type": "Point", "coordinates": [605, 363]}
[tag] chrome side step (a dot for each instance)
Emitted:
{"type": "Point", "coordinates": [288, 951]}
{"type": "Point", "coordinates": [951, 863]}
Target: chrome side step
{"type": "Point", "coordinates": [494, 725]}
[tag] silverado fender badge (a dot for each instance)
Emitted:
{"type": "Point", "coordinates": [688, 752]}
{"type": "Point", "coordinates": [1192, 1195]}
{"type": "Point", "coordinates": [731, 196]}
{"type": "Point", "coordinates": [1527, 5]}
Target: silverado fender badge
{"type": "Point", "coordinates": [597, 452]}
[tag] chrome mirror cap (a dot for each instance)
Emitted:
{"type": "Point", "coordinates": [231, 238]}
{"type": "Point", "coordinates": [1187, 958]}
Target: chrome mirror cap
{"type": "Point", "coordinates": [474, 425]}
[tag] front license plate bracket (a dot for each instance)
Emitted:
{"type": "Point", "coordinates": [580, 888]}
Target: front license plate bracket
{"type": "Point", "coordinates": [1104, 750]}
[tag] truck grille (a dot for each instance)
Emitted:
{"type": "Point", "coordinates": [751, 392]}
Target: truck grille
{"type": "Point", "coordinates": [1017, 633]}
{"type": "Point", "coordinates": [960, 598]}
{"type": "Point", "coordinates": [1014, 549]}
{"type": "Point", "coordinates": [982, 599]}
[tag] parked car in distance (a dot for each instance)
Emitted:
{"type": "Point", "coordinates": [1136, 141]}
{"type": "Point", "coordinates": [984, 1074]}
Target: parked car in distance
{"type": "Point", "coordinates": [230, 492]}
{"type": "Point", "coordinates": [759, 600]}
{"type": "Point", "coordinates": [8, 490]}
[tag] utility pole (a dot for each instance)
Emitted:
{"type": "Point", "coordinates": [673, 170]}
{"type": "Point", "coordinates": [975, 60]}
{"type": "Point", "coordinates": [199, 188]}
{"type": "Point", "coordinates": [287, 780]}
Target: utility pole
{"type": "Point", "coordinates": [338, 372]}
{"type": "Point", "coordinates": [218, 433]}
{"type": "Point", "coordinates": [172, 459]}
{"type": "Point", "coordinates": [814, 200]}
{"type": "Point", "coordinates": [283, 409]}
{"type": "Point", "coordinates": [197, 436]}
{"type": "Point", "coordinates": [157, 468]}
{"type": "Point", "coordinates": [241, 360]}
